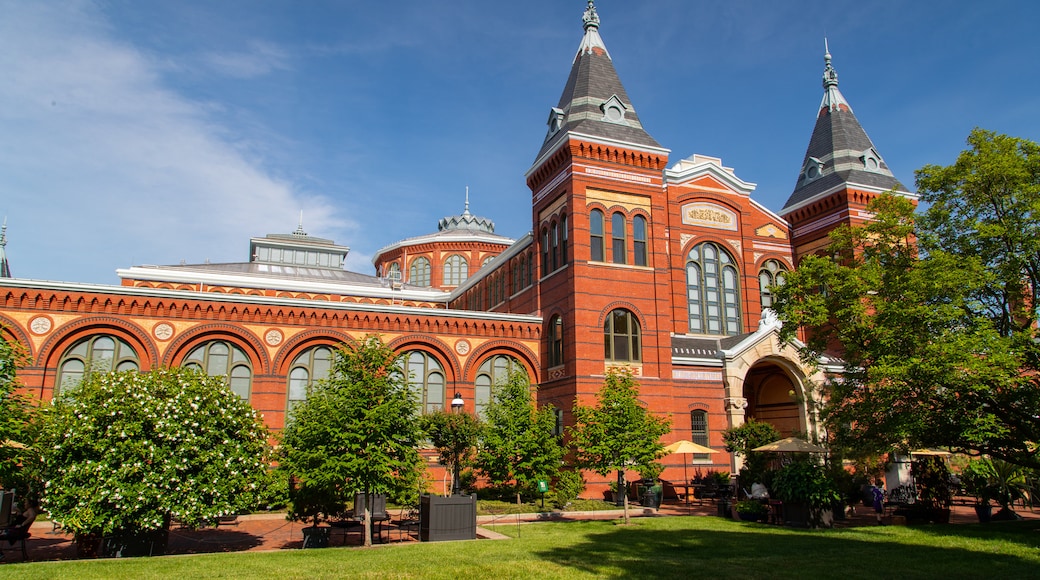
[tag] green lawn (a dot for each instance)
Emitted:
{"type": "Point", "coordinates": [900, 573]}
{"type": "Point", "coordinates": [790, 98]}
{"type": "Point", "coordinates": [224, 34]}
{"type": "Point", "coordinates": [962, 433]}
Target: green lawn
{"type": "Point", "coordinates": [676, 547]}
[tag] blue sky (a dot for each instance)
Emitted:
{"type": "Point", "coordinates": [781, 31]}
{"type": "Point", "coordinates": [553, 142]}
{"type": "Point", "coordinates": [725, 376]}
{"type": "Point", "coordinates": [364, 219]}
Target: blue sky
{"type": "Point", "coordinates": [150, 132]}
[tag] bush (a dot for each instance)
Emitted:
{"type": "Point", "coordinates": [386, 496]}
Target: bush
{"type": "Point", "coordinates": [569, 485]}
{"type": "Point", "coordinates": [123, 453]}
{"type": "Point", "coordinates": [751, 506]}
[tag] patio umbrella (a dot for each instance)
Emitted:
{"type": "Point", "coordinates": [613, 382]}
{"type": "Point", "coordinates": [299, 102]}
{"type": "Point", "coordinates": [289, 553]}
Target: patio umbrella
{"type": "Point", "coordinates": [791, 445]}
{"type": "Point", "coordinates": [685, 447]}
{"type": "Point", "coordinates": [931, 452]}
{"type": "Point", "coordinates": [12, 444]}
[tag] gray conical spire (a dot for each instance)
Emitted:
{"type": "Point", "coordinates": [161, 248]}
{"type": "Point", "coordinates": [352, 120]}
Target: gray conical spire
{"type": "Point", "coordinates": [594, 102]}
{"type": "Point", "coordinates": [466, 221]}
{"type": "Point", "coordinates": [839, 152]}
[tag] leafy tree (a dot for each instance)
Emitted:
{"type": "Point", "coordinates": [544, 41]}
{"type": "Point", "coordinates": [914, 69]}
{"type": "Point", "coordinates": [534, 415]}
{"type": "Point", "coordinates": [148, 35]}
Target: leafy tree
{"type": "Point", "coordinates": [938, 339]}
{"type": "Point", "coordinates": [124, 452]}
{"type": "Point", "coordinates": [518, 445]}
{"type": "Point", "coordinates": [742, 439]}
{"type": "Point", "coordinates": [454, 435]}
{"type": "Point", "coordinates": [16, 415]}
{"type": "Point", "coordinates": [356, 432]}
{"type": "Point", "coordinates": [619, 433]}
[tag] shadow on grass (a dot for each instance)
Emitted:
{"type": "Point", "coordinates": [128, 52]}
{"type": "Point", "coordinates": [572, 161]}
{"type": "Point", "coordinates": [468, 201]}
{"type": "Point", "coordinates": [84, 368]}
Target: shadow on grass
{"type": "Point", "coordinates": [734, 550]}
{"type": "Point", "coordinates": [210, 540]}
{"type": "Point", "coordinates": [1023, 532]}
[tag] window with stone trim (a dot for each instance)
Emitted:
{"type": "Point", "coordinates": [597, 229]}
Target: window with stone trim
{"type": "Point", "coordinates": [555, 333]}
{"type": "Point", "coordinates": [456, 270]}
{"type": "Point", "coordinates": [223, 358]}
{"type": "Point", "coordinates": [425, 380]}
{"type": "Point", "coordinates": [699, 434]}
{"type": "Point", "coordinates": [617, 236]}
{"type": "Point", "coordinates": [639, 256]}
{"type": "Point", "coordinates": [100, 353]}
{"type": "Point", "coordinates": [621, 337]}
{"type": "Point", "coordinates": [770, 276]}
{"type": "Point", "coordinates": [713, 293]}
{"type": "Point", "coordinates": [419, 272]}
{"type": "Point", "coordinates": [596, 236]}
{"type": "Point", "coordinates": [309, 366]}
{"type": "Point", "coordinates": [495, 370]}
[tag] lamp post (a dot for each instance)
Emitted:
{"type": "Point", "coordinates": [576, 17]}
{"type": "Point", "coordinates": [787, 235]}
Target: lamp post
{"type": "Point", "coordinates": [456, 407]}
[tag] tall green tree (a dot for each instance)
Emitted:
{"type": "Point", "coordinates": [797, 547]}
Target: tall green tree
{"type": "Point", "coordinates": [518, 445]}
{"type": "Point", "coordinates": [16, 414]}
{"type": "Point", "coordinates": [357, 431]}
{"type": "Point", "coordinates": [938, 338]}
{"type": "Point", "coordinates": [618, 433]}
{"type": "Point", "coordinates": [455, 436]}
{"type": "Point", "coordinates": [126, 452]}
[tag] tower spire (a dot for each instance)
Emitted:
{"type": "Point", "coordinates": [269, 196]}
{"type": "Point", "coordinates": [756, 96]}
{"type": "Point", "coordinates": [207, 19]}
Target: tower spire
{"type": "Point", "coordinates": [832, 97]}
{"type": "Point", "coordinates": [5, 268]}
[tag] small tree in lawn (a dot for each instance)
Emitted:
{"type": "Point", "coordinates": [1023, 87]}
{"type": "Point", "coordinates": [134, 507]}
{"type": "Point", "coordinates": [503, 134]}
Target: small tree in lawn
{"type": "Point", "coordinates": [518, 445]}
{"type": "Point", "coordinates": [455, 436]}
{"type": "Point", "coordinates": [124, 453]}
{"type": "Point", "coordinates": [357, 431]}
{"type": "Point", "coordinates": [619, 433]}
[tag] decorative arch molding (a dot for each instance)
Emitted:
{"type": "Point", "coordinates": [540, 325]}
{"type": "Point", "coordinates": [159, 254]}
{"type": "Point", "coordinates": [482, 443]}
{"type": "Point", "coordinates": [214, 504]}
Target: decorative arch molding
{"type": "Point", "coordinates": [689, 241]}
{"type": "Point", "coordinates": [236, 334]}
{"type": "Point", "coordinates": [304, 340]}
{"type": "Point", "coordinates": [520, 352]}
{"type": "Point", "coordinates": [430, 345]}
{"type": "Point", "coordinates": [621, 304]}
{"type": "Point", "coordinates": [11, 328]}
{"type": "Point", "coordinates": [698, 406]}
{"type": "Point", "coordinates": [67, 334]}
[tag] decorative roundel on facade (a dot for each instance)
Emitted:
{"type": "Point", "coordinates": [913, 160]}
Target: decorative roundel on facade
{"type": "Point", "coordinates": [163, 331]}
{"type": "Point", "coordinates": [273, 337]}
{"type": "Point", "coordinates": [462, 346]}
{"type": "Point", "coordinates": [40, 325]}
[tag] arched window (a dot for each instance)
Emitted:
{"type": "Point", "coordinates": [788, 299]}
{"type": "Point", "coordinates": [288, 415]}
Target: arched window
{"type": "Point", "coordinates": [456, 270]}
{"type": "Point", "coordinates": [699, 433]}
{"type": "Point", "coordinates": [394, 272]}
{"type": "Point", "coordinates": [621, 337]}
{"type": "Point", "coordinates": [563, 239]}
{"type": "Point", "coordinates": [596, 235]}
{"type": "Point", "coordinates": [492, 372]}
{"type": "Point", "coordinates": [771, 274]}
{"type": "Point", "coordinates": [425, 380]}
{"type": "Point", "coordinates": [419, 273]}
{"type": "Point", "coordinates": [221, 358]}
{"type": "Point", "coordinates": [530, 270]}
{"type": "Point", "coordinates": [712, 289]}
{"type": "Point", "coordinates": [545, 252]}
{"type": "Point", "coordinates": [639, 241]}
{"type": "Point", "coordinates": [555, 246]}
{"type": "Point", "coordinates": [522, 279]}
{"type": "Point", "coordinates": [555, 341]}
{"type": "Point", "coordinates": [486, 261]}
{"type": "Point", "coordinates": [101, 353]}
{"type": "Point", "coordinates": [309, 366]}
{"type": "Point", "coordinates": [617, 236]}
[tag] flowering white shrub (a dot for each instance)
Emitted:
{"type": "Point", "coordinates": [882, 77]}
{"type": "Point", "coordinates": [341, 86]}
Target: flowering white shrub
{"type": "Point", "coordinates": [128, 451]}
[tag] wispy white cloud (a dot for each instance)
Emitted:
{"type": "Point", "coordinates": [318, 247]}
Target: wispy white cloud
{"type": "Point", "coordinates": [102, 165]}
{"type": "Point", "coordinates": [260, 59]}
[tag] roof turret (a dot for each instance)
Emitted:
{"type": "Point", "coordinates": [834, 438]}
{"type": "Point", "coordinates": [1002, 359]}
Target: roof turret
{"type": "Point", "coordinates": [466, 221]}
{"type": "Point", "coordinates": [839, 152]}
{"type": "Point", "coordinates": [594, 102]}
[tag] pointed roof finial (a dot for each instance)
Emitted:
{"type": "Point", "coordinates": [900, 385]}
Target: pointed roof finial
{"type": "Point", "coordinates": [590, 19]}
{"type": "Point", "coordinates": [5, 268]}
{"type": "Point", "coordinates": [830, 76]}
{"type": "Point", "coordinates": [832, 97]}
{"type": "Point", "coordinates": [299, 228]}
{"type": "Point", "coordinates": [466, 212]}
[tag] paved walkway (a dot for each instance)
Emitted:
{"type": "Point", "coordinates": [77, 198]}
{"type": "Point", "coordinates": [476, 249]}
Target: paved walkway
{"type": "Point", "coordinates": [273, 532]}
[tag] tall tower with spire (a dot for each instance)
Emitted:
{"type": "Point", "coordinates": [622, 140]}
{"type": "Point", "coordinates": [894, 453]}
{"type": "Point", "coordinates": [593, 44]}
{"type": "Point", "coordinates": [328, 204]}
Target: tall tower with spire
{"type": "Point", "coordinates": [841, 172]}
{"type": "Point", "coordinates": [595, 183]}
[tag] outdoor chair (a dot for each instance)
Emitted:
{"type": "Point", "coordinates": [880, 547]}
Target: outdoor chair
{"type": "Point", "coordinates": [377, 508]}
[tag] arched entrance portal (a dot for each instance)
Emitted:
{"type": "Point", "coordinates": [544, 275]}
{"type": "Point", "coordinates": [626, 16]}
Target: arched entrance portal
{"type": "Point", "coordinates": [773, 397]}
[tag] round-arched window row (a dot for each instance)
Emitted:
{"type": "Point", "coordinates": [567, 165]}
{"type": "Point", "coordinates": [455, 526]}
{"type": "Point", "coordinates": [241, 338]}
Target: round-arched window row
{"type": "Point", "coordinates": [100, 353]}
{"type": "Point", "coordinates": [713, 290]}
{"type": "Point", "coordinates": [223, 358]}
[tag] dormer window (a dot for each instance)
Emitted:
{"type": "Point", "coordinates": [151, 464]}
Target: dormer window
{"type": "Point", "coordinates": [555, 121]}
{"type": "Point", "coordinates": [813, 169]}
{"type": "Point", "coordinates": [614, 110]}
{"type": "Point", "coordinates": [871, 160]}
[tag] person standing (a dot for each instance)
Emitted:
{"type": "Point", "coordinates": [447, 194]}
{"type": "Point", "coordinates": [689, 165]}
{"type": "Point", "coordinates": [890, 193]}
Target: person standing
{"type": "Point", "coordinates": [878, 496]}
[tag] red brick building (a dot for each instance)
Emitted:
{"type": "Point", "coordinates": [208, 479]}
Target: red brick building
{"type": "Point", "coordinates": [632, 261]}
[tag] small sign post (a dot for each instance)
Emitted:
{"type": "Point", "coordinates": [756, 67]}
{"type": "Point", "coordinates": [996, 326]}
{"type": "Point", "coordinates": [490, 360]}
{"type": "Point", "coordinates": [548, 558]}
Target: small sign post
{"type": "Point", "coordinates": [543, 486]}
